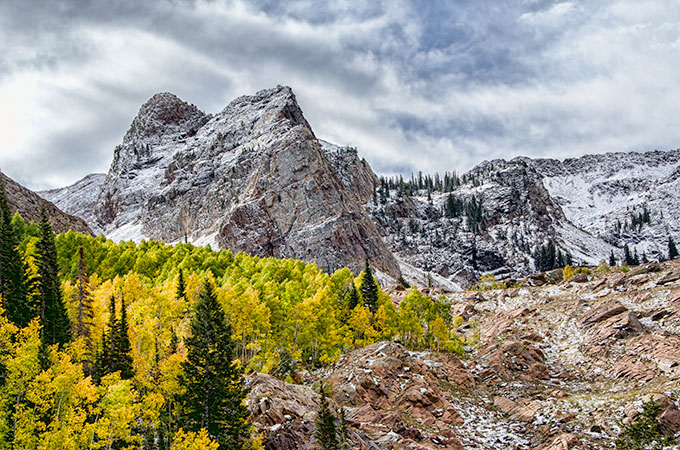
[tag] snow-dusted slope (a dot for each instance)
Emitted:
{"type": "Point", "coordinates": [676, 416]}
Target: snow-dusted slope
{"type": "Point", "coordinates": [79, 198]}
{"type": "Point", "coordinates": [519, 216]}
{"type": "Point", "coordinates": [251, 178]}
{"type": "Point", "coordinates": [602, 194]}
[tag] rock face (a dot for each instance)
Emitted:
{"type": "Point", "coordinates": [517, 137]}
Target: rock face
{"type": "Point", "coordinates": [252, 178]}
{"type": "Point", "coordinates": [28, 204]}
{"type": "Point", "coordinates": [602, 194]}
{"type": "Point", "coordinates": [519, 216]}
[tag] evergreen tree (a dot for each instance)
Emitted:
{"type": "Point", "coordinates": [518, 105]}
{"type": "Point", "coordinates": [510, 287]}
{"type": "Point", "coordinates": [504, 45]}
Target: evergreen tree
{"type": "Point", "coordinates": [105, 361]}
{"type": "Point", "coordinates": [672, 249]}
{"type": "Point", "coordinates": [645, 432]}
{"type": "Point", "coordinates": [612, 259]}
{"type": "Point", "coordinates": [174, 342]}
{"type": "Point", "coordinates": [55, 323]}
{"type": "Point", "coordinates": [213, 381]}
{"type": "Point", "coordinates": [83, 303]}
{"type": "Point", "coordinates": [353, 299]}
{"type": "Point", "coordinates": [116, 352]}
{"type": "Point", "coordinates": [369, 288]}
{"type": "Point", "coordinates": [122, 347]}
{"type": "Point", "coordinates": [326, 434]}
{"type": "Point", "coordinates": [181, 286]}
{"type": "Point", "coordinates": [13, 282]}
{"type": "Point", "coordinates": [627, 256]}
{"type": "Point", "coordinates": [343, 431]}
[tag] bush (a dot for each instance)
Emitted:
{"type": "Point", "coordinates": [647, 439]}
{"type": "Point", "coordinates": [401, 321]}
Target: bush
{"type": "Point", "coordinates": [568, 272]}
{"type": "Point", "coordinates": [487, 283]}
{"type": "Point", "coordinates": [603, 267]}
{"type": "Point", "coordinates": [645, 433]}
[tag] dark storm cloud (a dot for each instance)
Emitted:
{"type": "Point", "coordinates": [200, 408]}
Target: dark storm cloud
{"type": "Point", "coordinates": [414, 84]}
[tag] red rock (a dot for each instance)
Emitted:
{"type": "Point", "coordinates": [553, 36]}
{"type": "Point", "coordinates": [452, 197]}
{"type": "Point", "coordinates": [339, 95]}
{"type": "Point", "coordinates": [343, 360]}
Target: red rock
{"type": "Point", "coordinates": [565, 441]}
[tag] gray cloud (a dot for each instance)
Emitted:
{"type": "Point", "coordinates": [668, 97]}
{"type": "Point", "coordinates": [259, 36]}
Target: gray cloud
{"type": "Point", "coordinates": [416, 85]}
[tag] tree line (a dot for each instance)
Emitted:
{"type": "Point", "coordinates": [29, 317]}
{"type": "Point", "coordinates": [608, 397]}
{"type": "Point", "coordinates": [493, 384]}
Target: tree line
{"type": "Point", "coordinates": [106, 345]}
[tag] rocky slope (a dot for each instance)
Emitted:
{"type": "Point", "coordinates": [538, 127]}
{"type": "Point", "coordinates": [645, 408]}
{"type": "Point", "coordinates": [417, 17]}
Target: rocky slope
{"type": "Point", "coordinates": [603, 194]}
{"type": "Point", "coordinates": [28, 204]}
{"type": "Point", "coordinates": [555, 366]}
{"type": "Point", "coordinates": [519, 216]}
{"type": "Point", "coordinates": [251, 178]}
{"type": "Point", "coordinates": [255, 178]}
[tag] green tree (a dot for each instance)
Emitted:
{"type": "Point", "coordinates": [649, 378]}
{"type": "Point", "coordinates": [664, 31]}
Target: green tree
{"type": "Point", "coordinates": [55, 323]}
{"type": "Point", "coordinates": [672, 249]}
{"type": "Point", "coordinates": [645, 432]}
{"type": "Point", "coordinates": [353, 297]}
{"type": "Point", "coordinates": [122, 347]}
{"type": "Point", "coordinates": [214, 390]}
{"type": "Point", "coordinates": [326, 434]}
{"type": "Point", "coordinates": [369, 288]}
{"type": "Point", "coordinates": [83, 303]}
{"type": "Point", "coordinates": [13, 282]}
{"type": "Point", "coordinates": [181, 286]}
{"type": "Point", "coordinates": [116, 352]}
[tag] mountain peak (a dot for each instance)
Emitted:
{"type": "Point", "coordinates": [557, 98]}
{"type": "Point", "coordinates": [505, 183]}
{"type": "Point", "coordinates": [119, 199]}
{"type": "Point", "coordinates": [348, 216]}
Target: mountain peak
{"type": "Point", "coordinates": [165, 113]}
{"type": "Point", "coordinates": [281, 100]}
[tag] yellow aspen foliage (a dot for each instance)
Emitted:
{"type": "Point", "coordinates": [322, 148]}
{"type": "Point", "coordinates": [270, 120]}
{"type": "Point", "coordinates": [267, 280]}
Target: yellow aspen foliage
{"type": "Point", "coordinates": [193, 441]}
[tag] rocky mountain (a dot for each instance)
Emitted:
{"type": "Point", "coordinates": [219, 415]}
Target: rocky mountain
{"type": "Point", "coordinates": [255, 178]}
{"type": "Point", "coordinates": [550, 365]}
{"type": "Point", "coordinates": [497, 217]}
{"type": "Point", "coordinates": [622, 198]}
{"type": "Point", "coordinates": [28, 204]}
{"type": "Point", "coordinates": [252, 178]}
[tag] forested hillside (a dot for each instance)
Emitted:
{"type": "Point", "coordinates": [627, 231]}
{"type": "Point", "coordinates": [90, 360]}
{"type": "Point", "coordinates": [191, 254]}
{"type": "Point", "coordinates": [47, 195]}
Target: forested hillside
{"type": "Point", "coordinates": [94, 335]}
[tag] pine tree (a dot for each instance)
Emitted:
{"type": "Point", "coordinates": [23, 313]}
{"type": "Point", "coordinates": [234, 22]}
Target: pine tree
{"type": "Point", "coordinates": [181, 286]}
{"type": "Point", "coordinates": [83, 303]}
{"type": "Point", "coordinates": [13, 282]}
{"type": "Point", "coordinates": [353, 299]}
{"type": "Point", "coordinates": [213, 381]}
{"type": "Point", "coordinates": [672, 249]}
{"type": "Point", "coordinates": [174, 342]}
{"type": "Point", "coordinates": [627, 256]}
{"type": "Point", "coordinates": [116, 352]}
{"type": "Point", "coordinates": [122, 347]}
{"type": "Point", "coordinates": [55, 323]}
{"type": "Point", "coordinates": [369, 288]}
{"type": "Point", "coordinates": [343, 431]}
{"type": "Point", "coordinates": [326, 434]}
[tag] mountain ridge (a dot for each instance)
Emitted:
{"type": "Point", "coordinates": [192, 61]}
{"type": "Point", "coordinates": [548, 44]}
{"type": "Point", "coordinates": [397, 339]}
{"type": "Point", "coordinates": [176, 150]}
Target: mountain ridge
{"type": "Point", "coordinates": [255, 177]}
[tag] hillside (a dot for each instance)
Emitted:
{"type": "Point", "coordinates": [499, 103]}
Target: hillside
{"type": "Point", "coordinates": [557, 366]}
{"type": "Point", "coordinates": [28, 204]}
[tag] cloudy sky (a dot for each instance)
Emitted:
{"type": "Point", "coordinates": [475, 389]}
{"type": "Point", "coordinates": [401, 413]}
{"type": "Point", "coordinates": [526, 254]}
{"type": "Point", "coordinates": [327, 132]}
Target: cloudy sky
{"type": "Point", "coordinates": [422, 85]}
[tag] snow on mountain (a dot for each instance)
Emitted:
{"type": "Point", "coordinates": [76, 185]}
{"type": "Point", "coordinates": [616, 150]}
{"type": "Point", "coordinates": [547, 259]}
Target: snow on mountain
{"type": "Point", "coordinates": [254, 177]}
{"type": "Point", "coordinates": [251, 178]}
{"type": "Point", "coordinates": [79, 198]}
{"type": "Point", "coordinates": [607, 194]}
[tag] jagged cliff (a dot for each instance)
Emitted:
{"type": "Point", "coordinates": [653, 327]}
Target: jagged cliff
{"type": "Point", "coordinates": [255, 178]}
{"type": "Point", "coordinates": [251, 178]}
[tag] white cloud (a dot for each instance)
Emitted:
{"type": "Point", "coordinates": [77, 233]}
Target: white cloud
{"type": "Point", "coordinates": [413, 89]}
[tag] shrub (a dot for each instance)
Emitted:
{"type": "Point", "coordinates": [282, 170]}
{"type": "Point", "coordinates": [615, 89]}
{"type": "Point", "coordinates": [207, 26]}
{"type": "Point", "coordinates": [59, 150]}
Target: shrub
{"type": "Point", "coordinates": [645, 433]}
